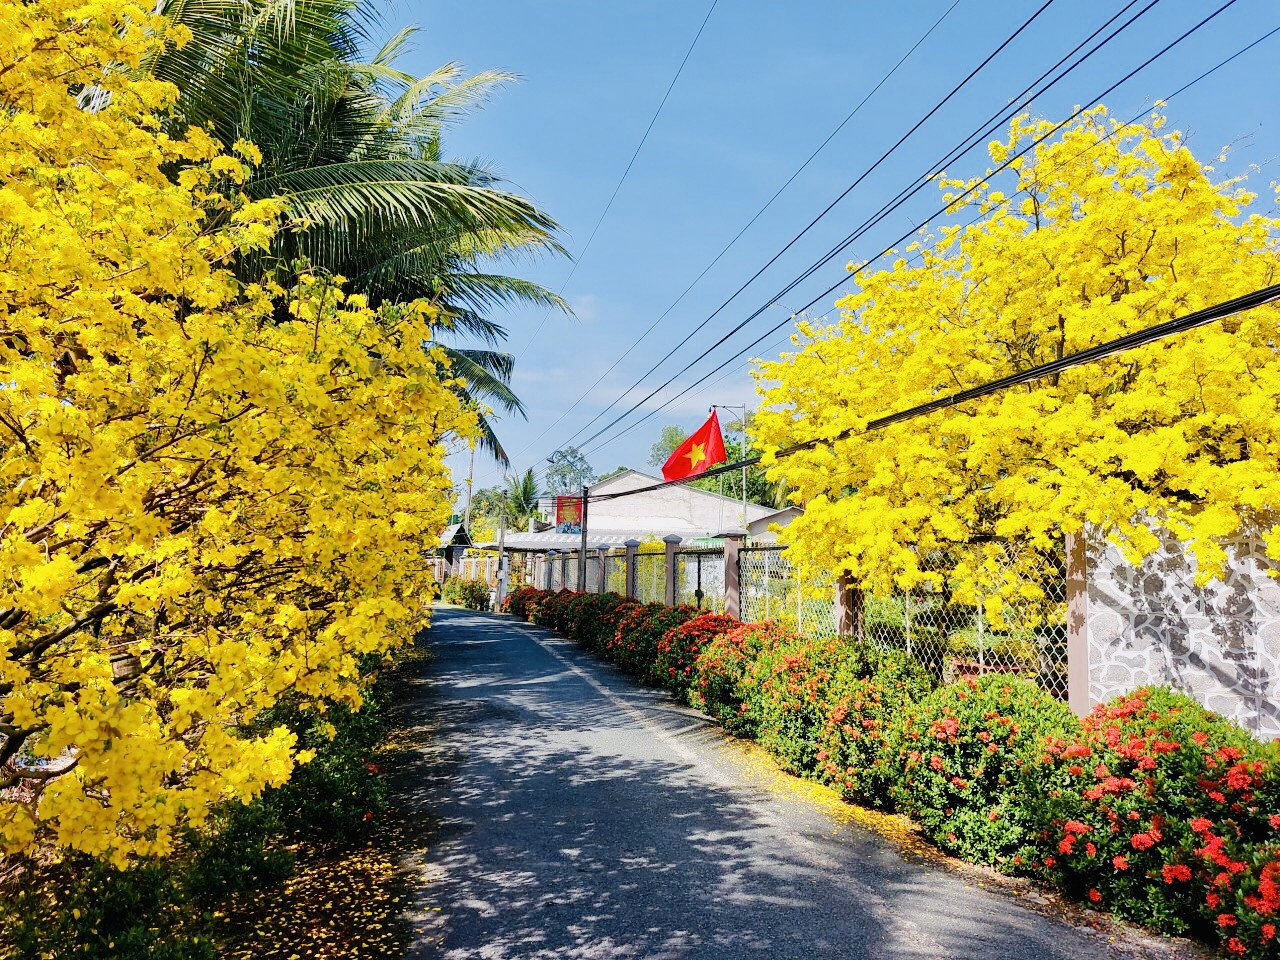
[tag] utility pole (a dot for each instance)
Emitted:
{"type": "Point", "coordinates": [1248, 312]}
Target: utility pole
{"type": "Point", "coordinates": [471, 471]}
{"type": "Point", "coordinates": [582, 552]}
{"type": "Point", "coordinates": [502, 556]}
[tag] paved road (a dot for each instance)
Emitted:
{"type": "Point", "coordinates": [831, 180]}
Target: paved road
{"type": "Point", "coordinates": [570, 814]}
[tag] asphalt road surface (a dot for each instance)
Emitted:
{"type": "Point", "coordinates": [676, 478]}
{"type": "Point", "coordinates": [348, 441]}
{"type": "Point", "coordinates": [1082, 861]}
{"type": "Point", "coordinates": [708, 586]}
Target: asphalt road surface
{"type": "Point", "coordinates": [568, 813]}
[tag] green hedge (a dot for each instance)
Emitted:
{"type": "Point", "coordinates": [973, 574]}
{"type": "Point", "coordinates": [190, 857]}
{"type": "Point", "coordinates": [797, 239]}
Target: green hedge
{"type": "Point", "coordinates": [960, 760]}
{"type": "Point", "coordinates": [472, 594]}
{"type": "Point", "coordinates": [1152, 806]}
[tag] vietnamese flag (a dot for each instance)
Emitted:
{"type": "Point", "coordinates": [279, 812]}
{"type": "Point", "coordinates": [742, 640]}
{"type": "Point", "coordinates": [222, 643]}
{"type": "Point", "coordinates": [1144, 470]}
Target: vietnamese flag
{"type": "Point", "coordinates": [704, 448]}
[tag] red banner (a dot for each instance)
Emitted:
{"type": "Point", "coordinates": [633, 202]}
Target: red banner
{"type": "Point", "coordinates": [568, 514]}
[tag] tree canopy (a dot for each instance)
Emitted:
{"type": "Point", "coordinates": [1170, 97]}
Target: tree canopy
{"type": "Point", "coordinates": [1101, 230]}
{"type": "Point", "coordinates": [218, 488]}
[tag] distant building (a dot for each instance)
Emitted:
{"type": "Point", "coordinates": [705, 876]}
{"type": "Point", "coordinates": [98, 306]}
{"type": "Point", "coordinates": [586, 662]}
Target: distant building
{"type": "Point", "coordinates": [759, 529]}
{"type": "Point", "coordinates": [685, 511]}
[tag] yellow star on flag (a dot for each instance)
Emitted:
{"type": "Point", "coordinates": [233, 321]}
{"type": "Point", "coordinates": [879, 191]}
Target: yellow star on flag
{"type": "Point", "coordinates": [697, 453]}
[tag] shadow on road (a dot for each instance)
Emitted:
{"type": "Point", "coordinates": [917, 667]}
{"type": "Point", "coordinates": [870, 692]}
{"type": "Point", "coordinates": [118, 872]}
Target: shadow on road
{"type": "Point", "coordinates": [566, 821]}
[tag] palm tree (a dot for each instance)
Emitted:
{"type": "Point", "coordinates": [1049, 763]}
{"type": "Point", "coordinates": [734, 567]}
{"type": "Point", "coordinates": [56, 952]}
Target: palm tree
{"type": "Point", "coordinates": [354, 150]}
{"type": "Point", "coordinates": [521, 495]}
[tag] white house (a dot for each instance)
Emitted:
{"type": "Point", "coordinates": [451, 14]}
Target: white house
{"type": "Point", "coordinates": [760, 531]}
{"type": "Point", "coordinates": [682, 510]}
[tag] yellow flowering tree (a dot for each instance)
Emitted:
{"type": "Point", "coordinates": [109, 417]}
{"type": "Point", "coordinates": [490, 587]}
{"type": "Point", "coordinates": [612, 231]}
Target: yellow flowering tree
{"type": "Point", "coordinates": [215, 494]}
{"type": "Point", "coordinates": [1103, 229]}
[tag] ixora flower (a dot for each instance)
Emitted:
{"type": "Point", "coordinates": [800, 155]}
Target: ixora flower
{"type": "Point", "coordinates": [1171, 825]}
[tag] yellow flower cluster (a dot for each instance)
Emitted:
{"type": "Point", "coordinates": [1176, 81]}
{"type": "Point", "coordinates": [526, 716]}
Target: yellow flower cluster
{"type": "Point", "coordinates": [215, 493]}
{"type": "Point", "coordinates": [1104, 229]}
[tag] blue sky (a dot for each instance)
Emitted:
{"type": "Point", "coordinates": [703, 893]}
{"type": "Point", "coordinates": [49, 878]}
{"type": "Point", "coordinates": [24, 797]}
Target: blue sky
{"type": "Point", "coordinates": [765, 85]}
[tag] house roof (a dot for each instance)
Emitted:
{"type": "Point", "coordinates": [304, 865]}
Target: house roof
{"type": "Point", "coordinates": [781, 518]}
{"type": "Point", "coordinates": [455, 535]}
{"type": "Point", "coordinates": [604, 485]}
{"type": "Point", "coordinates": [550, 540]}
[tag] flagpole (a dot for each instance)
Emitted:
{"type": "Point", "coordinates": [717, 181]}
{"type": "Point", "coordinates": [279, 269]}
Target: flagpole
{"type": "Point", "coordinates": [743, 432]}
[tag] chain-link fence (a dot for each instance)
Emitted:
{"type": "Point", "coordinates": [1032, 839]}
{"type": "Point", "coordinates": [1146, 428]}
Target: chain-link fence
{"type": "Point", "coordinates": [651, 575]}
{"type": "Point", "coordinates": [989, 607]}
{"type": "Point", "coordinates": [700, 578]}
{"type": "Point", "coordinates": [771, 589]}
{"type": "Point", "coordinates": [616, 573]}
{"type": "Point", "coordinates": [594, 563]}
{"type": "Point", "coordinates": [1009, 617]}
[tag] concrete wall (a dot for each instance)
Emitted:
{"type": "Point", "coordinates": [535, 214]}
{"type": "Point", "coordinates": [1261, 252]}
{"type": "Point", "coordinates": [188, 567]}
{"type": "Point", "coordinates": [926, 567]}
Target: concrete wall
{"type": "Point", "coordinates": [681, 510]}
{"type": "Point", "coordinates": [1220, 643]}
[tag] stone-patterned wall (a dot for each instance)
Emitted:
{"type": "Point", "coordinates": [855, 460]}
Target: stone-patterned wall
{"type": "Point", "coordinates": [1220, 643]}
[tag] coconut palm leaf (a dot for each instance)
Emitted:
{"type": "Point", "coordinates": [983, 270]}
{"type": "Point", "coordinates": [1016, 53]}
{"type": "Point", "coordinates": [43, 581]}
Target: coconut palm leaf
{"type": "Point", "coordinates": [353, 147]}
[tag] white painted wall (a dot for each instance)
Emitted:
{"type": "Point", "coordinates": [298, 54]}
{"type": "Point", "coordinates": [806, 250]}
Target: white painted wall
{"type": "Point", "coordinates": [686, 511]}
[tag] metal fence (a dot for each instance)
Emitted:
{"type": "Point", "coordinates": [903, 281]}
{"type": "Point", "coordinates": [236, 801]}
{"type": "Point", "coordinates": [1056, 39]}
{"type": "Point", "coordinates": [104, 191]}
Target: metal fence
{"type": "Point", "coordinates": [651, 575]}
{"type": "Point", "coordinates": [772, 589]}
{"type": "Point", "coordinates": [594, 563]}
{"type": "Point", "coordinates": [700, 578]}
{"type": "Point", "coordinates": [616, 572]}
{"type": "Point", "coordinates": [1013, 622]}
{"type": "Point", "coordinates": [992, 607]}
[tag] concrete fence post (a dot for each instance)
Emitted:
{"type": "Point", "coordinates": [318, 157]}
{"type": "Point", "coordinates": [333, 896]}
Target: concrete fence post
{"type": "Point", "coordinates": [672, 542]}
{"type": "Point", "coordinates": [850, 617]}
{"type": "Point", "coordinates": [732, 582]}
{"type": "Point", "coordinates": [632, 546]}
{"type": "Point", "coordinates": [547, 565]}
{"type": "Point", "coordinates": [602, 555]}
{"type": "Point", "coordinates": [1077, 624]}
{"type": "Point", "coordinates": [564, 571]}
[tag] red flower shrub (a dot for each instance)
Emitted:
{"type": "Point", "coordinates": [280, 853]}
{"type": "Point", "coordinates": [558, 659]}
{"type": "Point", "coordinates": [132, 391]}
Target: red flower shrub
{"type": "Point", "coordinates": [640, 629]}
{"type": "Point", "coordinates": [679, 648]}
{"type": "Point", "coordinates": [866, 695]}
{"type": "Point", "coordinates": [1175, 797]}
{"type": "Point", "coordinates": [822, 707]}
{"type": "Point", "coordinates": [551, 610]}
{"type": "Point", "coordinates": [721, 667]}
{"type": "Point", "coordinates": [959, 754]}
{"type": "Point", "coordinates": [785, 695]}
{"type": "Point", "coordinates": [518, 601]}
{"type": "Point", "coordinates": [592, 618]}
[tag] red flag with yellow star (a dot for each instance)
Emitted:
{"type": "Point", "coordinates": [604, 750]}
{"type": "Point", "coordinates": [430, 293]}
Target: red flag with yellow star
{"type": "Point", "coordinates": [703, 449]}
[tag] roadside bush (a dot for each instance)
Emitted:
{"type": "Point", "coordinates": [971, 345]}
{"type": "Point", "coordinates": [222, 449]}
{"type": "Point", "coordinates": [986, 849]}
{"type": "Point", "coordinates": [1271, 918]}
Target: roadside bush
{"type": "Point", "coordinates": [472, 594]}
{"type": "Point", "coordinates": [679, 647]}
{"type": "Point", "coordinates": [824, 706]}
{"type": "Point", "coordinates": [1165, 813]}
{"type": "Point", "coordinates": [961, 753]}
{"type": "Point", "coordinates": [784, 696]}
{"type": "Point", "coordinates": [721, 667]}
{"type": "Point", "coordinates": [593, 618]}
{"type": "Point", "coordinates": [333, 798]}
{"type": "Point", "coordinates": [552, 609]}
{"type": "Point", "coordinates": [518, 602]}
{"type": "Point", "coordinates": [240, 853]}
{"type": "Point", "coordinates": [84, 909]}
{"type": "Point", "coordinates": [1246, 907]}
{"type": "Point", "coordinates": [640, 629]}
{"type": "Point", "coordinates": [866, 695]}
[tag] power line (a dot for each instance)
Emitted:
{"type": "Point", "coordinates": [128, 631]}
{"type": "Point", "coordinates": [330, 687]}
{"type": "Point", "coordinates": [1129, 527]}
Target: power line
{"type": "Point", "coordinates": [756, 216]}
{"type": "Point", "coordinates": [888, 208]}
{"type": "Point", "coordinates": [1214, 69]}
{"type": "Point", "coordinates": [976, 136]}
{"type": "Point", "coordinates": [790, 243]}
{"type": "Point", "coordinates": [623, 179]}
{"type": "Point", "coordinates": [1131, 341]}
